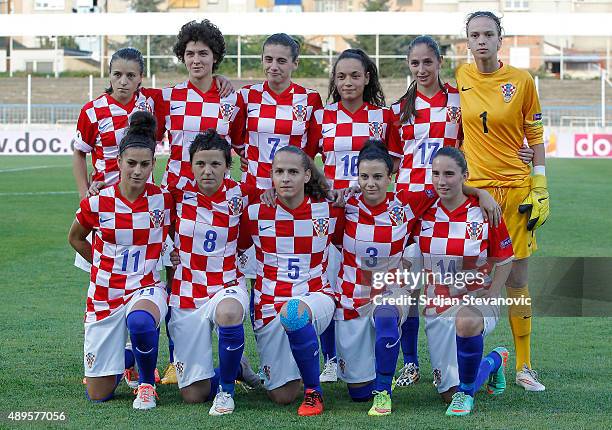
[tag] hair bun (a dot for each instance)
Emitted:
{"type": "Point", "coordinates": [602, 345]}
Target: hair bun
{"type": "Point", "coordinates": [142, 122]}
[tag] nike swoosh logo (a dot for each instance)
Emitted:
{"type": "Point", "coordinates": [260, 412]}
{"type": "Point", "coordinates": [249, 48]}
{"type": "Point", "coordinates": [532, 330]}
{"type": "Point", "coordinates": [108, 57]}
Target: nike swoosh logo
{"type": "Point", "coordinates": [188, 197]}
{"type": "Point", "coordinates": [329, 129]}
{"type": "Point", "coordinates": [251, 110]}
{"type": "Point", "coordinates": [234, 349]}
{"type": "Point", "coordinates": [174, 107]}
{"type": "Point", "coordinates": [104, 220]}
{"type": "Point", "coordinates": [391, 346]}
{"type": "Point", "coordinates": [426, 228]}
{"type": "Point", "coordinates": [264, 228]}
{"type": "Point", "coordinates": [316, 353]}
{"type": "Point", "coordinates": [465, 89]}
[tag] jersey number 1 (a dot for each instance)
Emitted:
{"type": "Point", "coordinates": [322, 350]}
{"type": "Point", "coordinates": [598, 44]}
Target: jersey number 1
{"type": "Point", "coordinates": [483, 115]}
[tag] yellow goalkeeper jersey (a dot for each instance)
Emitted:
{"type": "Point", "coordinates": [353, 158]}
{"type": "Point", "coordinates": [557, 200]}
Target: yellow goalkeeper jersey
{"type": "Point", "coordinates": [499, 111]}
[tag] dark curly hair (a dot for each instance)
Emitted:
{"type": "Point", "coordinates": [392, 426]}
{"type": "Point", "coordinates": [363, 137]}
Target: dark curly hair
{"type": "Point", "coordinates": [205, 32]}
{"type": "Point", "coordinates": [208, 140]}
{"type": "Point", "coordinates": [372, 93]}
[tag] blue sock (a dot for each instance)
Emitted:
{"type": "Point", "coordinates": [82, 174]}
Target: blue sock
{"type": "Point", "coordinates": [410, 339]}
{"type": "Point", "coordinates": [214, 385]}
{"type": "Point", "coordinates": [231, 346]}
{"type": "Point", "coordinates": [328, 341]}
{"type": "Point", "coordinates": [170, 341]}
{"type": "Point", "coordinates": [129, 358]}
{"type": "Point", "coordinates": [386, 347]}
{"type": "Point", "coordinates": [469, 355]}
{"type": "Point", "coordinates": [488, 365]}
{"type": "Point", "coordinates": [361, 394]}
{"type": "Point", "coordinates": [145, 342]}
{"type": "Point", "coordinates": [305, 348]}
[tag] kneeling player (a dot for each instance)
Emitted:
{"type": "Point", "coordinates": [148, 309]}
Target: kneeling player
{"type": "Point", "coordinates": [376, 230]}
{"type": "Point", "coordinates": [131, 220]}
{"type": "Point", "coordinates": [454, 238]}
{"type": "Point", "coordinates": [207, 290]}
{"type": "Point", "coordinates": [293, 301]}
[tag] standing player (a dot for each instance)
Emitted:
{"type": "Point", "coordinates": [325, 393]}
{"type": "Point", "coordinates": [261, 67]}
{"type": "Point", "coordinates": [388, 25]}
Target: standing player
{"type": "Point", "coordinates": [455, 240]}
{"type": "Point", "coordinates": [429, 118]}
{"type": "Point", "coordinates": [192, 107]}
{"type": "Point", "coordinates": [101, 125]}
{"type": "Point", "coordinates": [500, 110]}
{"type": "Point", "coordinates": [131, 220]}
{"type": "Point", "coordinates": [356, 114]}
{"type": "Point", "coordinates": [292, 299]}
{"type": "Point", "coordinates": [207, 290]}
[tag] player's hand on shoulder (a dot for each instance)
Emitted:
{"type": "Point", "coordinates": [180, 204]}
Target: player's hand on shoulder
{"type": "Point", "coordinates": [94, 188]}
{"type": "Point", "coordinates": [491, 211]}
{"type": "Point", "coordinates": [268, 198]}
{"type": "Point", "coordinates": [224, 85]}
{"type": "Point", "coordinates": [525, 154]}
{"type": "Point", "coordinates": [337, 196]}
{"type": "Point", "coordinates": [174, 258]}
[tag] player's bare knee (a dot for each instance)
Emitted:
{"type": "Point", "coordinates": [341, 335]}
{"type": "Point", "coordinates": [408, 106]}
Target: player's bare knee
{"type": "Point", "coordinates": [286, 394]}
{"type": "Point", "coordinates": [196, 392]}
{"type": "Point", "coordinates": [229, 312]}
{"type": "Point", "coordinates": [101, 389]}
{"type": "Point", "coordinates": [468, 322]}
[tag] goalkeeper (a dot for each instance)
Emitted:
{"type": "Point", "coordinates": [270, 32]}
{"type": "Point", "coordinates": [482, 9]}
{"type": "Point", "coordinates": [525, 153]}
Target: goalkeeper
{"type": "Point", "coordinates": [500, 110]}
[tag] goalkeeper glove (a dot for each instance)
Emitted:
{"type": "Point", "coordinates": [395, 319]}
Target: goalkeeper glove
{"type": "Point", "coordinates": [536, 204]}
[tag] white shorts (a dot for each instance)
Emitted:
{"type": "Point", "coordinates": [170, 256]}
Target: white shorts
{"type": "Point", "coordinates": [334, 261]}
{"type": "Point", "coordinates": [275, 355]}
{"type": "Point", "coordinates": [105, 339]}
{"type": "Point", "coordinates": [413, 254]}
{"type": "Point", "coordinates": [355, 340]}
{"type": "Point", "coordinates": [247, 263]}
{"type": "Point", "coordinates": [440, 331]}
{"type": "Point", "coordinates": [79, 261]}
{"type": "Point", "coordinates": [191, 331]}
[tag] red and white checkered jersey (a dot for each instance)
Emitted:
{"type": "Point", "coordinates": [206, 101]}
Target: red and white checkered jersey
{"type": "Point", "coordinates": [206, 237]}
{"type": "Point", "coordinates": [455, 242]}
{"type": "Point", "coordinates": [373, 242]}
{"type": "Point", "coordinates": [185, 112]}
{"type": "Point", "coordinates": [437, 124]}
{"type": "Point", "coordinates": [291, 248]}
{"type": "Point", "coordinates": [274, 121]}
{"type": "Point", "coordinates": [342, 135]}
{"type": "Point", "coordinates": [127, 243]}
{"type": "Point", "coordinates": [102, 124]}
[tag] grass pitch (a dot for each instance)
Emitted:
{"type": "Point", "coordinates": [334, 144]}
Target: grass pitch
{"type": "Point", "coordinates": [42, 330]}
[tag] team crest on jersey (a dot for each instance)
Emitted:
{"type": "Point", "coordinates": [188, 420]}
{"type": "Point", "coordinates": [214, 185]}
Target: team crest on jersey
{"type": "Point", "coordinates": [180, 368]}
{"type": "Point", "coordinates": [342, 365]}
{"type": "Point", "coordinates": [454, 114]}
{"type": "Point", "coordinates": [321, 225]}
{"type": "Point", "coordinates": [243, 260]}
{"type": "Point", "coordinates": [474, 229]}
{"type": "Point", "coordinates": [396, 213]}
{"type": "Point", "coordinates": [266, 371]}
{"type": "Point", "coordinates": [437, 377]}
{"type": "Point", "coordinates": [376, 130]}
{"type": "Point", "coordinates": [508, 90]}
{"type": "Point", "coordinates": [299, 113]}
{"type": "Point", "coordinates": [226, 110]}
{"type": "Point", "coordinates": [157, 217]}
{"type": "Point", "coordinates": [235, 205]}
{"type": "Point", "coordinates": [144, 106]}
{"type": "Point", "coordinates": [90, 359]}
